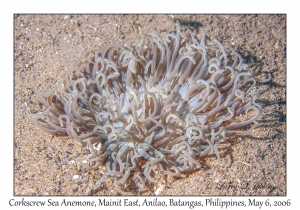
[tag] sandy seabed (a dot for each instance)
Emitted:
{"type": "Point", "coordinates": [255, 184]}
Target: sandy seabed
{"type": "Point", "coordinates": [46, 46]}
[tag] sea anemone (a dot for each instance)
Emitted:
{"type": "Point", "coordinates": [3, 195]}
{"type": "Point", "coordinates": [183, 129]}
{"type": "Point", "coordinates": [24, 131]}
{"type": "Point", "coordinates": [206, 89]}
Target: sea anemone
{"type": "Point", "coordinates": [155, 105]}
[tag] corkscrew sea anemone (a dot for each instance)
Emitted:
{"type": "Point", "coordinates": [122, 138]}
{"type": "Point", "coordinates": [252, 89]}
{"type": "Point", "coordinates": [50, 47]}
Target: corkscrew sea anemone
{"type": "Point", "coordinates": [155, 105]}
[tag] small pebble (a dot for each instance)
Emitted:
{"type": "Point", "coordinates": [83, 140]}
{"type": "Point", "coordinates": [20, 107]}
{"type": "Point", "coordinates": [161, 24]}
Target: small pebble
{"type": "Point", "coordinates": [76, 177]}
